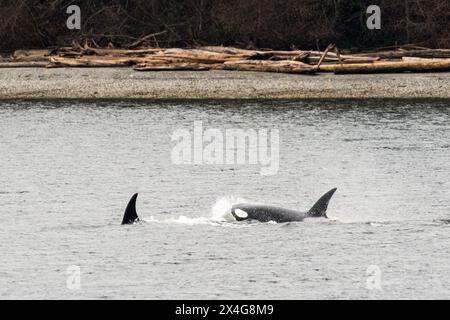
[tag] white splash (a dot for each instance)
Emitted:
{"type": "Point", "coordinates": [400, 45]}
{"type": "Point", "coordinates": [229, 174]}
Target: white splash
{"type": "Point", "coordinates": [221, 210]}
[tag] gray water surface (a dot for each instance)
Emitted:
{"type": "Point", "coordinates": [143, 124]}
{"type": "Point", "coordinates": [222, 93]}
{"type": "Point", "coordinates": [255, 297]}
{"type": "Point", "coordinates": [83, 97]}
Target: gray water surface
{"type": "Point", "coordinates": [67, 170]}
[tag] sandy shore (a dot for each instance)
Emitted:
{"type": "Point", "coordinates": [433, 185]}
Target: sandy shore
{"type": "Point", "coordinates": [124, 83]}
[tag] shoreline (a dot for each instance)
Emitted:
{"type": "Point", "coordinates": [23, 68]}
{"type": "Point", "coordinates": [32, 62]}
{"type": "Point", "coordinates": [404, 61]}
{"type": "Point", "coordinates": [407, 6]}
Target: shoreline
{"type": "Point", "coordinates": [126, 84]}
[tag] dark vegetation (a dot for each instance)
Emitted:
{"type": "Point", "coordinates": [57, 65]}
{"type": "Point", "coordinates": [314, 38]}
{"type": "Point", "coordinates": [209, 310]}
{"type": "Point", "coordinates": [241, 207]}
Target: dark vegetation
{"type": "Point", "coordinates": [305, 24]}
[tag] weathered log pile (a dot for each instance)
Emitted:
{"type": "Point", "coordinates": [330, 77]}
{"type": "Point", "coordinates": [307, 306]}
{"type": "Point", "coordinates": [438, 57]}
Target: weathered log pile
{"type": "Point", "coordinates": [228, 58]}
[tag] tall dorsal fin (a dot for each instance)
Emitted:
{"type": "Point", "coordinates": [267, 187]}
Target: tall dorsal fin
{"type": "Point", "coordinates": [130, 216]}
{"type": "Point", "coordinates": [319, 209]}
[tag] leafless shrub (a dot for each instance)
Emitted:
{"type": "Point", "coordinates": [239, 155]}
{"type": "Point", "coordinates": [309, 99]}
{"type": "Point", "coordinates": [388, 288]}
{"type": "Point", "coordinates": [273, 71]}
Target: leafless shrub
{"type": "Point", "coordinates": [259, 23]}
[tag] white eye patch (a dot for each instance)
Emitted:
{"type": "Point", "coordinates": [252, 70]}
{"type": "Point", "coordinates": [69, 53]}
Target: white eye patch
{"type": "Point", "coordinates": [241, 213]}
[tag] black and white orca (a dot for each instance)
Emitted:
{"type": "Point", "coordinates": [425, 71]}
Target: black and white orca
{"type": "Point", "coordinates": [263, 213]}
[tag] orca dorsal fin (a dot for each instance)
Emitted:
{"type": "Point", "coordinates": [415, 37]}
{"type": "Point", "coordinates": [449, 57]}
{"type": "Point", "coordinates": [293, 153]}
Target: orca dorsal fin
{"type": "Point", "coordinates": [319, 209]}
{"type": "Point", "coordinates": [130, 216]}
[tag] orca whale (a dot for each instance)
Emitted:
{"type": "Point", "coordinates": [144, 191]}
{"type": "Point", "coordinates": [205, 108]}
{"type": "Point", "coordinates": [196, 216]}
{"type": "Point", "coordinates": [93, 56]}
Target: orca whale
{"type": "Point", "coordinates": [263, 213]}
{"type": "Point", "coordinates": [130, 216]}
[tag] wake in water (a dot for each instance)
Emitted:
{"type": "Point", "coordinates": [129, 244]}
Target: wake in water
{"type": "Point", "coordinates": [220, 213]}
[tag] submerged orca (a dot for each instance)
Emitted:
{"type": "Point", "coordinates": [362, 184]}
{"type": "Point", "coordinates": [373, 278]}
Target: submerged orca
{"type": "Point", "coordinates": [262, 213]}
{"type": "Point", "coordinates": [130, 216]}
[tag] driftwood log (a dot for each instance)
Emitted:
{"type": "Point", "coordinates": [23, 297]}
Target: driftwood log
{"type": "Point", "coordinates": [392, 67]}
{"type": "Point", "coordinates": [23, 64]}
{"type": "Point", "coordinates": [416, 59]}
{"type": "Point", "coordinates": [270, 66]}
{"type": "Point", "coordinates": [413, 59]}
{"type": "Point", "coordinates": [118, 52]}
{"type": "Point", "coordinates": [177, 66]}
{"type": "Point", "coordinates": [201, 56]}
{"type": "Point", "coordinates": [420, 53]}
{"type": "Point", "coordinates": [89, 62]}
{"type": "Point", "coordinates": [32, 55]}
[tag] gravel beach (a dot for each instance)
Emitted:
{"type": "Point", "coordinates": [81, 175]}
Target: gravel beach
{"type": "Point", "coordinates": [124, 83]}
